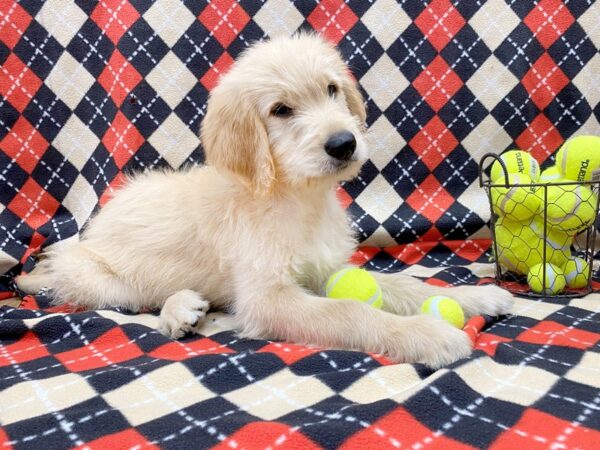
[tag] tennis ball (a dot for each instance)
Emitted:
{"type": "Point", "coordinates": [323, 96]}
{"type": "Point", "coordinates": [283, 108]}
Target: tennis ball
{"type": "Point", "coordinates": [444, 308]}
{"type": "Point", "coordinates": [518, 245]}
{"type": "Point", "coordinates": [554, 283]}
{"type": "Point", "coordinates": [516, 203]}
{"type": "Point", "coordinates": [579, 157]}
{"type": "Point", "coordinates": [354, 284]}
{"type": "Point", "coordinates": [557, 243]}
{"type": "Point", "coordinates": [517, 162]}
{"type": "Point", "coordinates": [577, 272]}
{"type": "Point", "coordinates": [570, 207]}
{"type": "Point", "coordinates": [550, 175]}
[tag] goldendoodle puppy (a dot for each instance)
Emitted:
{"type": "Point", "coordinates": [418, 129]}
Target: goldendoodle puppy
{"type": "Point", "coordinates": [258, 229]}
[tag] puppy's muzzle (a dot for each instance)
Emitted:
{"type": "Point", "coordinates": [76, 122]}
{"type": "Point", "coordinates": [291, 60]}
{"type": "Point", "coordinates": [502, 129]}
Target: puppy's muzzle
{"type": "Point", "coordinates": [341, 145]}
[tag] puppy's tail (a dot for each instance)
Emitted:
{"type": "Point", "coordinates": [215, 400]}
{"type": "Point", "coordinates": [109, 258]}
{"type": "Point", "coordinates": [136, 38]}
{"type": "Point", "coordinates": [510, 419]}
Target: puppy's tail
{"type": "Point", "coordinates": [77, 276]}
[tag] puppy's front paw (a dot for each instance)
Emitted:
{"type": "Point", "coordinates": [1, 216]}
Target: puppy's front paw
{"type": "Point", "coordinates": [488, 299]}
{"type": "Point", "coordinates": [430, 341]}
{"type": "Point", "coordinates": [182, 312]}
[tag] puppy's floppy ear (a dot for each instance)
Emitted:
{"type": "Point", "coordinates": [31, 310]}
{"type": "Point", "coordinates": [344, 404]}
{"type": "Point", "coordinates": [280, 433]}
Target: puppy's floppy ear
{"type": "Point", "coordinates": [354, 98]}
{"type": "Point", "coordinates": [235, 138]}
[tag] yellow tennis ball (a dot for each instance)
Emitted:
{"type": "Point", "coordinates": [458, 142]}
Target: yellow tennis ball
{"type": "Point", "coordinates": [517, 162]}
{"type": "Point", "coordinates": [518, 245]}
{"type": "Point", "coordinates": [354, 284]}
{"type": "Point", "coordinates": [577, 272]}
{"type": "Point", "coordinates": [553, 283]}
{"type": "Point", "coordinates": [557, 242]}
{"type": "Point", "coordinates": [516, 203]}
{"type": "Point", "coordinates": [570, 208]}
{"type": "Point", "coordinates": [444, 308]}
{"type": "Point", "coordinates": [579, 157]}
{"type": "Point", "coordinates": [550, 175]}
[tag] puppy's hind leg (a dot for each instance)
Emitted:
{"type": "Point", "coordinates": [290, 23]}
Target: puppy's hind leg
{"type": "Point", "coordinates": [80, 277]}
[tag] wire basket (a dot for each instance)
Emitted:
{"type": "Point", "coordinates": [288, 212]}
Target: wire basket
{"type": "Point", "coordinates": [541, 223]}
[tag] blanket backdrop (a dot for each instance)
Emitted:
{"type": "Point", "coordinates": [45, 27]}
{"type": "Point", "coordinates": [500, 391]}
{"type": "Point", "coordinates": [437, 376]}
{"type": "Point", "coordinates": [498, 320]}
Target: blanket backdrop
{"type": "Point", "coordinates": [91, 90]}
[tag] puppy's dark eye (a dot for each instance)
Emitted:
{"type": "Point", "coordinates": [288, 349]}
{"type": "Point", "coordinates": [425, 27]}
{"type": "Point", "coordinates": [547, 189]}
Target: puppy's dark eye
{"type": "Point", "coordinates": [332, 90]}
{"type": "Point", "coordinates": [281, 110]}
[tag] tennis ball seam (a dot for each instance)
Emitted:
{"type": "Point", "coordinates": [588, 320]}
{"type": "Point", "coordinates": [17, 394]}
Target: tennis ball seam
{"type": "Point", "coordinates": [554, 277]}
{"type": "Point", "coordinates": [333, 281]}
{"type": "Point", "coordinates": [377, 295]}
{"type": "Point", "coordinates": [580, 272]}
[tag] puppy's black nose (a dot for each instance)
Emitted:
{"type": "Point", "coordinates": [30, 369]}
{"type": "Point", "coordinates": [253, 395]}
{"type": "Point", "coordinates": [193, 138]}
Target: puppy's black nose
{"type": "Point", "coordinates": [341, 145]}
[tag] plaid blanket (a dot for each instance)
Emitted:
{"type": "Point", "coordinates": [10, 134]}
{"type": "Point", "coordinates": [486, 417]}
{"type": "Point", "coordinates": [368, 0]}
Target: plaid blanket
{"type": "Point", "coordinates": [90, 90]}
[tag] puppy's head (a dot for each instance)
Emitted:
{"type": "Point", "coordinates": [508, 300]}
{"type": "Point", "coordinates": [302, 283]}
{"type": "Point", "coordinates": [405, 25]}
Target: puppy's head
{"type": "Point", "coordinates": [288, 111]}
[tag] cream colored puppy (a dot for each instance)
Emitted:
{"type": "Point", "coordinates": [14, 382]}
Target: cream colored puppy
{"type": "Point", "coordinates": [258, 230]}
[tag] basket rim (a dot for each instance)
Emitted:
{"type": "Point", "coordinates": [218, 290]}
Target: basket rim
{"type": "Point", "coordinates": [489, 183]}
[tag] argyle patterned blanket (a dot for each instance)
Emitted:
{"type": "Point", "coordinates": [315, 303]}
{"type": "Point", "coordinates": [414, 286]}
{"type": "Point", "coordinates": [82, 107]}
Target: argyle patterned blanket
{"type": "Point", "coordinates": [91, 90]}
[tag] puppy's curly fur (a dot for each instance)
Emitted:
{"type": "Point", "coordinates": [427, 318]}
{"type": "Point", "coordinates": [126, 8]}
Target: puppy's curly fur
{"type": "Point", "coordinates": [258, 229]}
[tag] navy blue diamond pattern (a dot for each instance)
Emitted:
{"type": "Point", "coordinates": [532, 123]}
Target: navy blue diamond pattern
{"type": "Point", "coordinates": [142, 47]}
{"type": "Point", "coordinates": [91, 47]}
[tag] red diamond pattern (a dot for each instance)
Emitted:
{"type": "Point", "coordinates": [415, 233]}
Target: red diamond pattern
{"type": "Point", "coordinates": [225, 19]}
{"type": "Point", "coordinates": [115, 184]}
{"type": "Point", "coordinates": [35, 245]}
{"type": "Point", "coordinates": [430, 199]}
{"type": "Point", "coordinates": [17, 82]}
{"type": "Point", "coordinates": [409, 253]}
{"type": "Point", "coordinates": [333, 18]}
{"type": "Point", "coordinates": [535, 430]}
{"type": "Point", "coordinates": [119, 77]}
{"type": "Point", "coordinates": [220, 67]}
{"type": "Point", "coordinates": [265, 435]}
{"type": "Point", "coordinates": [433, 234]}
{"type": "Point", "coordinates": [4, 440]}
{"type": "Point", "coordinates": [27, 348]}
{"type": "Point", "coordinates": [396, 428]}
{"type": "Point", "coordinates": [14, 20]}
{"type": "Point", "coordinates": [541, 138]}
{"type": "Point", "coordinates": [363, 255]}
{"type": "Point", "coordinates": [24, 144]}
{"type": "Point", "coordinates": [344, 198]}
{"type": "Point", "coordinates": [437, 83]}
{"type": "Point", "coordinates": [489, 343]}
{"type": "Point", "coordinates": [122, 139]}
{"type": "Point", "coordinates": [548, 20]}
{"type": "Point", "coordinates": [433, 143]}
{"type": "Point", "coordinates": [287, 352]}
{"type": "Point", "coordinates": [439, 22]}
{"type": "Point", "coordinates": [471, 249]}
{"type": "Point", "coordinates": [554, 333]}
{"type": "Point", "coordinates": [544, 80]}
{"type": "Point", "coordinates": [178, 351]}
{"type": "Point", "coordinates": [123, 439]}
{"type": "Point", "coordinates": [112, 347]}
{"type": "Point", "coordinates": [33, 204]}
{"type": "Point", "coordinates": [114, 17]}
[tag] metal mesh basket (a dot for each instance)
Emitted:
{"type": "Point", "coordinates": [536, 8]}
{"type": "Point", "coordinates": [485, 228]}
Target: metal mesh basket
{"type": "Point", "coordinates": [542, 223]}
